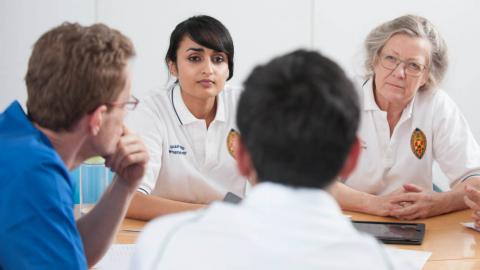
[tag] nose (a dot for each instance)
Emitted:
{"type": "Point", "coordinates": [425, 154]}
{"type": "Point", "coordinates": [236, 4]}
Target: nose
{"type": "Point", "coordinates": [208, 67]}
{"type": "Point", "coordinates": [399, 71]}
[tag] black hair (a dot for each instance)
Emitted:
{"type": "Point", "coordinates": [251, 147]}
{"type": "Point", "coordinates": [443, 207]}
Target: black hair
{"type": "Point", "coordinates": [298, 117]}
{"type": "Point", "coordinates": [206, 31]}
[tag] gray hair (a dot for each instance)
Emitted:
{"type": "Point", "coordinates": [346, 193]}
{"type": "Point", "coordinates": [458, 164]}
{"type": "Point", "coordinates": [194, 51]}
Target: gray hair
{"type": "Point", "coordinates": [413, 26]}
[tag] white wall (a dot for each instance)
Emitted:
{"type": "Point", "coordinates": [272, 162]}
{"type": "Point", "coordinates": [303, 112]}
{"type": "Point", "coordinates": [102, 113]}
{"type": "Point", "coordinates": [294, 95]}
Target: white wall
{"type": "Point", "coordinates": [260, 29]}
{"type": "Point", "coordinates": [340, 29]}
{"type": "Point", "coordinates": [21, 24]}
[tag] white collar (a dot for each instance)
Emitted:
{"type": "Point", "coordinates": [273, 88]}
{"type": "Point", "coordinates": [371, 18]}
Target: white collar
{"type": "Point", "coordinates": [369, 103]}
{"type": "Point", "coordinates": [270, 196]}
{"type": "Point", "coordinates": [184, 115]}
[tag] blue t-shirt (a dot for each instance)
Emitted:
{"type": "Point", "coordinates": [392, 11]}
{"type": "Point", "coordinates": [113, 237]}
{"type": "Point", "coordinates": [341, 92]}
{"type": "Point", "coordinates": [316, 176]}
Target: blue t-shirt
{"type": "Point", "coordinates": [37, 226]}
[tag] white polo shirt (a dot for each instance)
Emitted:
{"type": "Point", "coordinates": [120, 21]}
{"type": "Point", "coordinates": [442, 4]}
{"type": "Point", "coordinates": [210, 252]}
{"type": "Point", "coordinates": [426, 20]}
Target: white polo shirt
{"type": "Point", "coordinates": [188, 162]}
{"type": "Point", "coordinates": [431, 128]}
{"type": "Point", "coordinates": [275, 227]}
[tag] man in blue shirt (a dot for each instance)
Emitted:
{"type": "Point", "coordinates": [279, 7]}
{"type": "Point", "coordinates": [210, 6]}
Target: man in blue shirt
{"type": "Point", "coordinates": [78, 84]}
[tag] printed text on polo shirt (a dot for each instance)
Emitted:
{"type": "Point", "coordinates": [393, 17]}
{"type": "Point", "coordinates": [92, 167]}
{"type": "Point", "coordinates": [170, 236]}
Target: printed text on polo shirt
{"type": "Point", "coordinates": [177, 150]}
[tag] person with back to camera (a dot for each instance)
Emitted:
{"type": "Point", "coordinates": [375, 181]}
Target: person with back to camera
{"type": "Point", "coordinates": [298, 118]}
{"type": "Point", "coordinates": [190, 128]}
{"type": "Point", "coordinates": [78, 83]}
{"type": "Point", "coordinates": [407, 123]}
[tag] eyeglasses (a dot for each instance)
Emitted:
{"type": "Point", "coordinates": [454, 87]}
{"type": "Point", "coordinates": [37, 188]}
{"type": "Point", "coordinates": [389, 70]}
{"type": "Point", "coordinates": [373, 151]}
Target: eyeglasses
{"type": "Point", "coordinates": [411, 68]}
{"type": "Point", "coordinates": [131, 104]}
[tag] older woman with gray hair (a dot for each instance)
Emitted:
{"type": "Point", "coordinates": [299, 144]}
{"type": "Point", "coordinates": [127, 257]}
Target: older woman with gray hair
{"type": "Point", "coordinates": [407, 123]}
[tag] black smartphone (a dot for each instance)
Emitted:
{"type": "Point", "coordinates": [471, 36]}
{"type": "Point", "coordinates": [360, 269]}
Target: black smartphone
{"type": "Point", "coordinates": [393, 232]}
{"type": "Point", "coordinates": [232, 198]}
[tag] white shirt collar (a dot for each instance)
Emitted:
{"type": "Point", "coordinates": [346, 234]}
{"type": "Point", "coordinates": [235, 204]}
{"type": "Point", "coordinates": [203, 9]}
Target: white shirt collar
{"type": "Point", "coordinates": [268, 195]}
{"type": "Point", "coordinates": [369, 103]}
{"type": "Point", "coordinates": [184, 116]}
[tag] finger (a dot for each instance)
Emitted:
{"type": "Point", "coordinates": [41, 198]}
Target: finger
{"type": "Point", "coordinates": [399, 190]}
{"type": "Point", "coordinates": [472, 193]}
{"type": "Point", "coordinates": [471, 203]}
{"type": "Point", "coordinates": [135, 152]}
{"type": "Point", "coordinates": [405, 211]}
{"type": "Point", "coordinates": [395, 206]}
{"type": "Point", "coordinates": [138, 158]}
{"type": "Point", "coordinates": [126, 145]}
{"type": "Point", "coordinates": [476, 215]}
{"type": "Point", "coordinates": [126, 130]}
{"type": "Point", "coordinates": [476, 223]}
{"type": "Point", "coordinates": [409, 187]}
{"type": "Point", "coordinates": [412, 217]}
{"type": "Point", "coordinates": [129, 139]}
{"type": "Point", "coordinates": [405, 204]}
{"type": "Point", "coordinates": [115, 159]}
{"type": "Point", "coordinates": [406, 197]}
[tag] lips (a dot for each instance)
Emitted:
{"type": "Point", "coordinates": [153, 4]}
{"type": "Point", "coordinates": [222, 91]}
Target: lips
{"type": "Point", "coordinates": [206, 83]}
{"type": "Point", "coordinates": [395, 85]}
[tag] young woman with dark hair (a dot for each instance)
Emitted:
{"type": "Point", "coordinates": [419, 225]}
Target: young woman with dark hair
{"type": "Point", "coordinates": [190, 128]}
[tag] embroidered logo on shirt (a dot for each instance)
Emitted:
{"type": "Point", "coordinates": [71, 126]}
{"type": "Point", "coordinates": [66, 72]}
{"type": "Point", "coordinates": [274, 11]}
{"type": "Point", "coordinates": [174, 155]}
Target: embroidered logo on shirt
{"type": "Point", "coordinates": [177, 149]}
{"type": "Point", "coordinates": [232, 142]}
{"type": "Point", "coordinates": [418, 143]}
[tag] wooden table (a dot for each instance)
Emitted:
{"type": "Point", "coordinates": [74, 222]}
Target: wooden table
{"type": "Point", "coordinates": [452, 245]}
{"type": "Point", "coordinates": [129, 231]}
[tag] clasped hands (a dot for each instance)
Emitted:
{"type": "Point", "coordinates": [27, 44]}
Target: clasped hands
{"type": "Point", "coordinates": [409, 202]}
{"type": "Point", "coordinates": [413, 202]}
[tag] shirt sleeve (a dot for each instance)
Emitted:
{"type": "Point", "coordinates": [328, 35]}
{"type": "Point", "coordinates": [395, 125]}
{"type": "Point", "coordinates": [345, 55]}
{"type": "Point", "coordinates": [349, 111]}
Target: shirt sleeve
{"type": "Point", "coordinates": [454, 147]}
{"type": "Point", "coordinates": [146, 122]}
{"type": "Point", "coordinates": [41, 231]}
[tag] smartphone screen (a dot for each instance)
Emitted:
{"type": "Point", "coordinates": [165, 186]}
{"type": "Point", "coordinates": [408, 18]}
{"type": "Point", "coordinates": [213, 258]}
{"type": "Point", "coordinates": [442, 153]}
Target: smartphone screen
{"type": "Point", "coordinates": [393, 233]}
{"type": "Point", "coordinates": [388, 230]}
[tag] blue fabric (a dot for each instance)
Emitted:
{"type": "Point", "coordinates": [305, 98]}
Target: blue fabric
{"type": "Point", "coordinates": [75, 175]}
{"type": "Point", "coordinates": [37, 226]}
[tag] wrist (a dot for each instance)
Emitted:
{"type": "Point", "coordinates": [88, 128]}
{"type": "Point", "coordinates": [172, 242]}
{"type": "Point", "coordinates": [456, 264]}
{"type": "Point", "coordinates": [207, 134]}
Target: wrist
{"type": "Point", "coordinates": [123, 185]}
{"type": "Point", "coordinates": [444, 202]}
{"type": "Point", "coordinates": [367, 203]}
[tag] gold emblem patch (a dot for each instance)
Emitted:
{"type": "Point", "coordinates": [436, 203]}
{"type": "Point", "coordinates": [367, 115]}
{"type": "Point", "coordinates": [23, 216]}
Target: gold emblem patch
{"type": "Point", "coordinates": [418, 143]}
{"type": "Point", "coordinates": [232, 142]}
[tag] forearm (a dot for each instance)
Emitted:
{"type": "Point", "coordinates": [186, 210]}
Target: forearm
{"type": "Point", "coordinates": [453, 200]}
{"type": "Point", "coordinates": [350, 199]}
{"type": "Point", "coordinates": [147, 207]}
{"type": "Point", "coordinates": [100, 225]}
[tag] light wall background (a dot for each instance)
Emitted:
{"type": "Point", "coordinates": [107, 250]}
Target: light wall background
{"type": "Point", "coordinates": [261, 29]}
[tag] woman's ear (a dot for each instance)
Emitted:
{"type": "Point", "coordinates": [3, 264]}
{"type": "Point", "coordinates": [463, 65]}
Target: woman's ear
{"type": "Point", "coordinates": [425, 78]}
{"type": "Point", "coordinates": [95, 120]}
{"type": "Point", "coordinates": [172, 68]}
